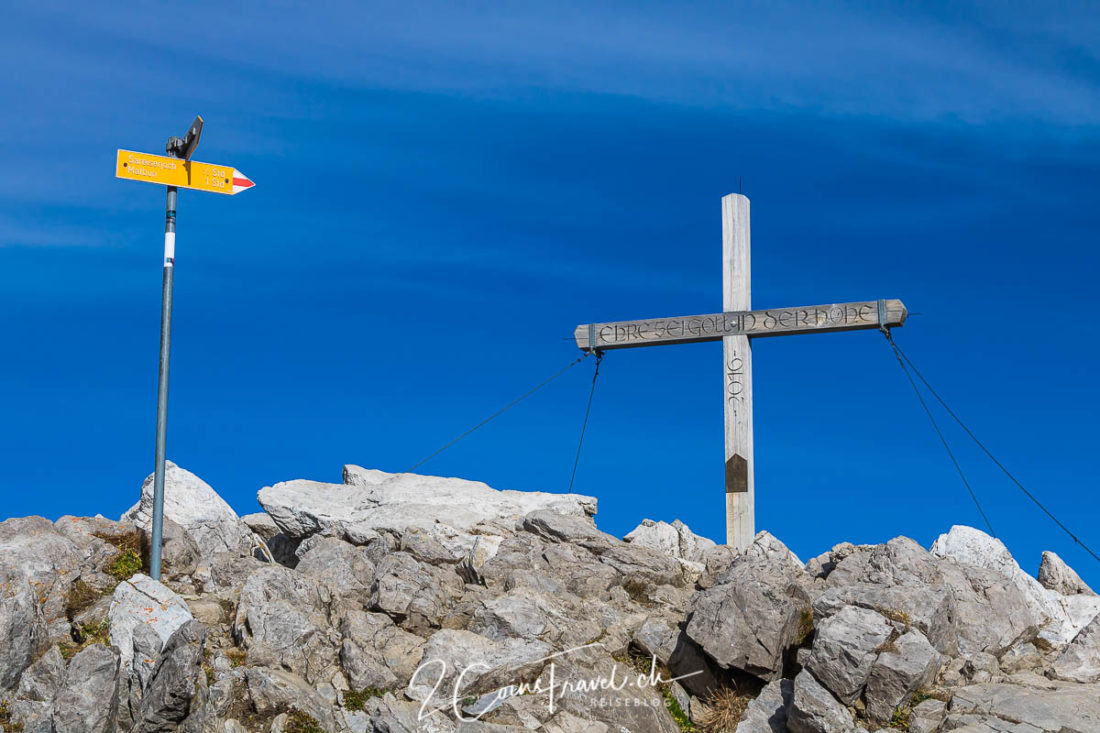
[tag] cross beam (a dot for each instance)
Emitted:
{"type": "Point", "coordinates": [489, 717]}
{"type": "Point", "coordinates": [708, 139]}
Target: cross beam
{"type": "Point", "coordinates": [736, 326]}
{"type": "Point", "coordinates": [715, 326]}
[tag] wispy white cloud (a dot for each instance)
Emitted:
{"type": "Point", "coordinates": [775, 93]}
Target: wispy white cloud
{"type": "Point", "coordinates": [965, 61]}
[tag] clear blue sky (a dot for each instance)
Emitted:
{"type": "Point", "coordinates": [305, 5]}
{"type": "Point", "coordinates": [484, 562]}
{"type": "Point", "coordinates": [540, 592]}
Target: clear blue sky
{"type": "Point", "coordinates": [445, 190]}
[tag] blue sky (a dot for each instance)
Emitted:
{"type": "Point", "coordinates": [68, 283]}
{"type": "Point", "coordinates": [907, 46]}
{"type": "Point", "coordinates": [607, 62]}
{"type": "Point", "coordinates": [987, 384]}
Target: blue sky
{"type": "Point", "coordinates": [444, 190]}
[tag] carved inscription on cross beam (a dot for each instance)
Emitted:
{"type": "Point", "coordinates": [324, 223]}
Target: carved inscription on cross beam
{"type": "Point", "coordinates": [759, 323]}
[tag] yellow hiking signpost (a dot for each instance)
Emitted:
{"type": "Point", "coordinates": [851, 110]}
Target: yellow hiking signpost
{"type": "Point", "coordinates": [175, 170]}
{"type": "Point", "coordinates": [168, 171]}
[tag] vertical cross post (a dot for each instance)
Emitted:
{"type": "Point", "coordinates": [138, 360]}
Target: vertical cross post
{"type": "Point", "coordinates": [737, 361]}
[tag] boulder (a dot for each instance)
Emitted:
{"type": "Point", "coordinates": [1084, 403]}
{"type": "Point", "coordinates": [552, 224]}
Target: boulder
{"type": "Point", "coordinates": [628, 699]}
{"type": "Point", "coordinates": [928, 609]}
{"type": "Point", "coordinates": [1080, 661]}
{"type": "Point", "coordinates": [275, 691]}
{"type": "Point", "coordinates": [282, 621]}
{"type": "Point", "coordinates": [262, 525]}
{"type": "Point", "coordinates": [906, 665]}
{"type": "Point", "coordinates": [38, 565]}
{"type": "Point", "coordinates": [222, 575]}
{"type": "Point", "coordinates": [372, 502]}
{"type": "Point", "coordinates": [1058, 621]}
{"type": "Point", "coordinates": [87, 701]}
{"type": "Point", "coordinates": [676, 540]}
{"type": "Point", "coordinates": [566, 722]}
{"type": "Point", "coordinates": [927, 716]}
{"type": "Point", "coordinates": [657, 637]}
{"type": "Point", "coordinates": [167, 700]}
{"type": "Point", "coordinates": [767, 713]}
{"type": "Point", "coordinates": [766, 545]}
{"type": "Point", "coordinates": [143, 616]}
{"type": "Point", "coordinates": [29, 716]}
{"type": "Point", "coordinates": [527, 560]}
{"type": "Point", "coordinates": [814, 710]}
{"type": "Point", "coordinates": [466, 664]}
{"type": "Point", "coordinates": [1055, 575]}
{"type": "Point", "coordinates": [570, 546]}
{"type": "Point", "coordinates": [41, 681]}
{"type": "Point", "coordinates": [22, 631]}
{"type": "Point", "coordinates": [191, 503]}
{"type": "Point", "coordinates": [562, 620]}
{"type": "Point", "coordinates": [1059, 708]}
{"type": "Point", "coordinates": [753, 617]}
{"type": "Point", "coordinates": [982, 608]}
{"type": "Point", "coordinates": [414, 594]}
{"type": "Point", "coordinates": [180, 553]}
{"type": "Point", "coordinates": [716, 562]}
{"type": "Point", "coordinates": [215, 709]}
{"type": "Point", "coordinates": [376, 653]}
{"type": "Point", "coordinates": [845, 648]}
{"type": "Point", "coordinates": [344, 568]}
{"type": "Point", "coordinates": [1021, 657]}
{"type": "Point", "coordinates": [401, 716]}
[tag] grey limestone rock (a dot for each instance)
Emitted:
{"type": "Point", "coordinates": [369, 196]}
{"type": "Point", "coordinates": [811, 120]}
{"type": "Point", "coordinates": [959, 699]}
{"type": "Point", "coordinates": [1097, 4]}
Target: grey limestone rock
{"type": "Point", "coordinates": [845, 648]}
{"type": "Point", "coordinates": [87, 701]}
{"type": "Point", "coordinates": [562, 620]}
{"type": "Point", "coordinates": [274, 691]}
{"type": "Point", "coordinates": [41, 681]}
{"type": "Point", "coordinates": [469, 664]}
{"type": "Point", "coordinates": [344, 568]}
{"type": "Point", "coordinates": [376, 653]}
{"type": "Point", "coordinates": [767, 713]}
{"type": "Point", "coordinates": [676, 540]}
{"type": "Point", "coordinates": [38, 565]}
{"type": "Point", "coordinates": [1058, 618]}
{"type": "Point", "coordinates": [191, 503]}
{"type": "Point", "coordinates": [1055, 575]}
{"type": "Point", "coordinates": [143, 616]}
{"type": "Point", "coordinates": [814, 710]}
{"type": "Point", "coordinates": [167, 701]}
{"type": "Point", "coordinates": [415, 594]}
{"type": "Point", "coordinates": [1080, 661]}
{"type": "Point", "coordinates": [908, 664]}
{"type": "Point", "coordinates": [1058, 708]}
{"type": "Point", "coordinates": [752, 618]}
{"type": "Point", "coordinates": [282, 621]}
{"type": "Point", "coordinates": [927, 716]}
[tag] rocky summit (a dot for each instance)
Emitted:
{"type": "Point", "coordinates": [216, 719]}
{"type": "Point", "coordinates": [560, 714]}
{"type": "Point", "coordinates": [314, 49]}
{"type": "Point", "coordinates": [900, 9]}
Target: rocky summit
{"type": "Point", "coordinates": [399, 603]}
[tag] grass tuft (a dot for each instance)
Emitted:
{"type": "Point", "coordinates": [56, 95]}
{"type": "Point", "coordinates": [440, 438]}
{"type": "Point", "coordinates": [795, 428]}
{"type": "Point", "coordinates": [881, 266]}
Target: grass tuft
{"type": "Point", "coordinates": [900, 719]}
{"type": "Point", "coordinates": [723, 710]}
{"type": "Point", "coordinates": [125, 565]}
{"type": "Point", "coordinates": [900, 617]}
{"type": "Point", "coordinates": [300, 722]}
{"type": "Point", "coordinates": [83, 636]}
{"type": "Point", "coordinates": [235, 656]}
{"type": "Point", "coordinates": [805, 627]}
{"type": "Point", "coordinates": [81, 598]}
{"type": "Point", "coordinates": [357, 699]}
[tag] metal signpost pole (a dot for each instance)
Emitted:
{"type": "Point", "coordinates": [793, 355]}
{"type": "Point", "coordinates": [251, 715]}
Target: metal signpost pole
{"type": "Point", "coordinates": [162, 382]}
{"type": "Point", "coordinates": [175, 170]}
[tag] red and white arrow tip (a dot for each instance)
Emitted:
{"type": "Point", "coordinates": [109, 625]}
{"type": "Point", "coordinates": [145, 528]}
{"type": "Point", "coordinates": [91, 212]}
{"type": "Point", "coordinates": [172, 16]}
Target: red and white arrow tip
{"type": "Point", "coordinates": [241, 182]}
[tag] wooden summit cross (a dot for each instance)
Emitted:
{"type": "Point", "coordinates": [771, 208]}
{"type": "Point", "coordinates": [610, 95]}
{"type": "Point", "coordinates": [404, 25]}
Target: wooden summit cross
{"type": "Point", "coordinates": [736, 326]}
